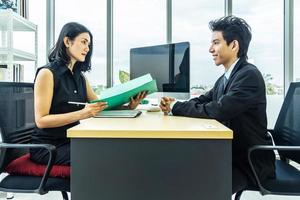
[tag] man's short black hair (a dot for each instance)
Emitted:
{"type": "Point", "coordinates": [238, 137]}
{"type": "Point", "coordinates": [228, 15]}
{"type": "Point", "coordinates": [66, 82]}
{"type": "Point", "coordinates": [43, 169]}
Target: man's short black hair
{"type": "Point", "coordinates": [234, 28]}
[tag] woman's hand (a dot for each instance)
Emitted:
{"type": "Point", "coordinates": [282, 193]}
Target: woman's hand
{"type": "Point", "coordinates": [91, 109]}
{"type": "Point", "coordinates": [134, 102]}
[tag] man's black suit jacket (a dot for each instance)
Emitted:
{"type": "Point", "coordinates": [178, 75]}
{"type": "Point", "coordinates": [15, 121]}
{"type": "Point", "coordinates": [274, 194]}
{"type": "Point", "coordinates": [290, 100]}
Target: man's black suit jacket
{"type": "Point", "coordinates": [241, 106]}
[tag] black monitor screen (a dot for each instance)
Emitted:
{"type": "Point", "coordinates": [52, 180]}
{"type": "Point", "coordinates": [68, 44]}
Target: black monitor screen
{"type": "Point", "coordinates": [168, 64]}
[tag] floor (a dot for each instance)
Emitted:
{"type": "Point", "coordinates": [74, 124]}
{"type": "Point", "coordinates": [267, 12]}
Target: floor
{"type": "Point", "coordinates": [57, 196]}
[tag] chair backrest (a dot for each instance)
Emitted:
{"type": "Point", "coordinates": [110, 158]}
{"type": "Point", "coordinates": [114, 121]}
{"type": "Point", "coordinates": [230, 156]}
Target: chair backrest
{"type": "Point", "coordinates": [287, 127]}
{"type": "Point", "coordinates": [16, 117]}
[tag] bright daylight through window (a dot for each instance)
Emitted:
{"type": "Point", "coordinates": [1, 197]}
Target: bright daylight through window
{"type": "Point", "coordinates": [93, 16]}
{"type": "Point", "coordinates": [266, 48]}
{"type": "Point", "coordinates": [296, 40]}
{"type": "Point", "coordinates": [135, 25]}
{"type": "Point", "coordinates": [190, 23]}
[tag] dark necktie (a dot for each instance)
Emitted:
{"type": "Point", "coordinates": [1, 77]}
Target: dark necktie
{"type": "Point", "coordinates": [225, 82]}
{"type": "Point", "coordinates": [221, 87]}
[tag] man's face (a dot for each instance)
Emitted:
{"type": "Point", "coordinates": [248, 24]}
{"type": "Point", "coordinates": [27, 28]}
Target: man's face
{"type": "Point", "coordinates": [222, 53]}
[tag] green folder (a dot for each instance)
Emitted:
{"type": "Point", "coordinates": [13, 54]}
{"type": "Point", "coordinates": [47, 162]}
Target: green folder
{"type": "Point", "coordinates": [120, 94]}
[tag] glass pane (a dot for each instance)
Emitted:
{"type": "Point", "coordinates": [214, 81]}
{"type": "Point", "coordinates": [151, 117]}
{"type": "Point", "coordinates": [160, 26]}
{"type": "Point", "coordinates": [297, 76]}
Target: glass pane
{"type": "Point", "coordinates": [296, 41]}
{"type": "Point", "coordinates": [136, 23]}
{"type": "Point", "coordinates": [91, 14]}
{"type": "Point", "coordinates": [190, 23]}
{"type": "Point", "coordinates": [37, 15]}
{"type": "Point", "coordinates": [266, 48]}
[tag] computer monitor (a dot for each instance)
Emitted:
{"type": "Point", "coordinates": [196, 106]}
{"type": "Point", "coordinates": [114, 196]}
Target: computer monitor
{"type": "Point", "coordinates": [168, 64]}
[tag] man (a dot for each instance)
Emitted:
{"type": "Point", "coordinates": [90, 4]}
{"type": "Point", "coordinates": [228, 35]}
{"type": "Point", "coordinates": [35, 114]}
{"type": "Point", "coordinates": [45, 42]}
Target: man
{"type": "Point", "coordinates": [238, 100]}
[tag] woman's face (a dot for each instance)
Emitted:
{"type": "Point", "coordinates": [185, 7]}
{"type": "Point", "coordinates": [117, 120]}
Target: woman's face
{"type": "Point", "coordinates": [78, 48]}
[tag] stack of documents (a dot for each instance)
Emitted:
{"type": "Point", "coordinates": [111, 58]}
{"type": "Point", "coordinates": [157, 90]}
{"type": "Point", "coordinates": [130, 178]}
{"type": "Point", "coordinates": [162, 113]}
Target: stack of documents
{"type": "Point", "coordinates": [120, 94]}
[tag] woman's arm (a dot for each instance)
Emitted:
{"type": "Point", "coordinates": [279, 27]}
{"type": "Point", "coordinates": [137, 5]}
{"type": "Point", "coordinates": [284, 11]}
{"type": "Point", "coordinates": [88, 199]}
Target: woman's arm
{"type": "Point", "coordinates": [134, 102]}
{"type": "Point", "coordinates": [43, 94]}
{"type": "Point", "coordinates": [90, 92]}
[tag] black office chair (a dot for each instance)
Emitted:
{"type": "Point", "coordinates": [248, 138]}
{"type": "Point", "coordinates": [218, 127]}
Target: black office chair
{"type": "Point", "coordinates": [286, 135]}
{"type": "Point", "coordinates": [16, 127]}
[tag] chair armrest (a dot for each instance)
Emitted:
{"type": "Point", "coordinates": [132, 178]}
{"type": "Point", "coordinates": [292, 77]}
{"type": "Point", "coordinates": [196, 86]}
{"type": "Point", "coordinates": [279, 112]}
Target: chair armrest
{"type": "Point", "coordinates": [52, 154]}
{"type": "Point", "coordinates": [270, 134]}
{"type": "Point", "coordinates": [267, 148]}
{"type": "Point", "coordinates": [49, 147]}
{"type": "Point", "coordinates": [270, 130]}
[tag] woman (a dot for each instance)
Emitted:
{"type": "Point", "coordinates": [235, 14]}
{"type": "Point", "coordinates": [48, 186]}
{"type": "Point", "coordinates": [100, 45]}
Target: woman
{"type": "Point", "coordinates": [59, 82]}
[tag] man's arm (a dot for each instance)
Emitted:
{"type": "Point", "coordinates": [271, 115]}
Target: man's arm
{"type": "Point", "coordinates": [167, 103]}
{"type": "Point", "coordinates": [243, 93]}
{"type": "Point", "coordinates": [205, 98]}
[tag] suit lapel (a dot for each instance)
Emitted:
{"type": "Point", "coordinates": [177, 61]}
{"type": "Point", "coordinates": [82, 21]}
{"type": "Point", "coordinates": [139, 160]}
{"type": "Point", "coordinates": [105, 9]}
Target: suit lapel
{"type": "Point", "coordinates": [239, 65]}
{"type": "Point", "coordinates": [220, 90]}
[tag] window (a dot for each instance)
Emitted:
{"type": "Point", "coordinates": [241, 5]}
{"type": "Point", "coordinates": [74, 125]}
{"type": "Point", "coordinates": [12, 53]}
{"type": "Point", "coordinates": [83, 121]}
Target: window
{"type": "Point", "coordinates": [266, 48]}
{"type": "Point", "coordinates": [91, 14]}
{"type": "Point", "coordinates": [296, 41]}
{"type": "Point", "coordinates": [37, 15]}
{"type": "Point", "coordinates": [190, 23]}
{"type": "Point", "coordinates": [137, 23]}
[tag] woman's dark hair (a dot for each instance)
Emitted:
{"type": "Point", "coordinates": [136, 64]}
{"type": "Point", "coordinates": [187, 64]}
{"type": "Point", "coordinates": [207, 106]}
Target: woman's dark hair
{"type": "Point", "coordinates": [59, 53]}
{"type": "Point", "coordinates": [234, 28]}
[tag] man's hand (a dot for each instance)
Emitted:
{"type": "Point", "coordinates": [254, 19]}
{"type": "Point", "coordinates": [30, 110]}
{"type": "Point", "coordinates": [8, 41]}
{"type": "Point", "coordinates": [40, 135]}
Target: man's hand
{"type": "Point", "coordinates": [165, 104]}
{"type": "Point", "coordinates": [134, 102]}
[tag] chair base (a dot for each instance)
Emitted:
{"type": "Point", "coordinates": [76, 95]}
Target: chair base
{"type": "Point", "coordinates": [65, 195]}
{"type": "Point", "coordinates": [238, 195]}
{"type": "Point", "coordinates": [15, 183]}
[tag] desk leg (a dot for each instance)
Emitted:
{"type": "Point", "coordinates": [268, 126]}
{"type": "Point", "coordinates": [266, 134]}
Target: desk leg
{"type": "Point", "coordinates": [150, 169]}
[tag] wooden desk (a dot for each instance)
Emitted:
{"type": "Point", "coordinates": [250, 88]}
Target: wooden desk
{"type": "Point", "coordinates": [151, 157]}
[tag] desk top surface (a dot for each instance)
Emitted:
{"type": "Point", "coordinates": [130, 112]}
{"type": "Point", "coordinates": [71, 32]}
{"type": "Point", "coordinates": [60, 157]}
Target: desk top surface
{"type": "Point", "coordinates": [151, 125]}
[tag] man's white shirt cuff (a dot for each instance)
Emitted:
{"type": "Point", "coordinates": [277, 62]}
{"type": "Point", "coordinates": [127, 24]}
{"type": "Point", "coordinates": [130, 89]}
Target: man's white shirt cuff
{"type": "Point", "coordinates": [171, 107]}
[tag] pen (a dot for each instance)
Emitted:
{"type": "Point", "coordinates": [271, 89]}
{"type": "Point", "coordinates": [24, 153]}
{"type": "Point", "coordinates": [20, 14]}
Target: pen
{"type": "Point", "coordinates": [76, 103]}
